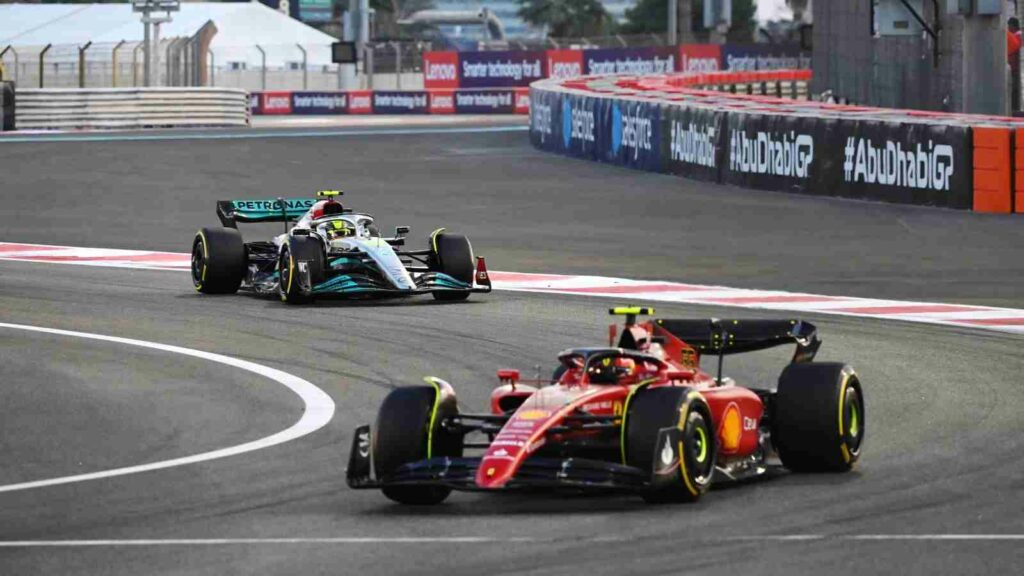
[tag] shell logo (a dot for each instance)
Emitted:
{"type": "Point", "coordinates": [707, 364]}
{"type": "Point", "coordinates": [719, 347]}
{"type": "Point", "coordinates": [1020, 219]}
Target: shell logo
{"type": "Point", "coordinates": [731, 430]}
{"type": "Point", "coordinates": [534, 414]}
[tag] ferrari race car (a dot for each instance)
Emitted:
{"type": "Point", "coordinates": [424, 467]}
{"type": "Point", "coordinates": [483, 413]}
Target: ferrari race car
{"type": "Point", "coordinates": [330, 250]}
{"type": "Point", "coordinates": [641, 417]}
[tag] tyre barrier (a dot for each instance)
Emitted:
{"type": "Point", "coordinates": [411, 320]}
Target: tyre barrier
{"type": "Point", "coordinates": [6, 106]}
{"type": "Point", "coordinates": [131, 108]}
{"type": "Point", "coordinates": [441, 101]}
{"type": "Point", "coordinates": [685, 124]}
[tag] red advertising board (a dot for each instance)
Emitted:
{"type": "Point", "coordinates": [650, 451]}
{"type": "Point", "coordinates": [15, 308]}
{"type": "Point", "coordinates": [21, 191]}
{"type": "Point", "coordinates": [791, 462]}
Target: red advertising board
{"type": "Point", "coordinates": [700, 57]}
{"type": "Point", "coordinates": [360, 102]}
{"type": "Point", "coordinates": [440, 70]}
{"type": "Point", "coordinates": [442, 101]}
{"type": "Point", "coordinates": [522, 101]}
{"type": "Point", "coordinates": [565, 63]}
{"type": "Point", "coordinates": [277, 103]}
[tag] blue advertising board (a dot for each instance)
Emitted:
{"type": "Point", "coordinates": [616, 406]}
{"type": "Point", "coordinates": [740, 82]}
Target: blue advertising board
{"type": "Point", "coordinates": [405, 102]}
{"type": "Point", "coordinates": [650, 60]}
{"type": "Point", "coordinates": [505, 69]}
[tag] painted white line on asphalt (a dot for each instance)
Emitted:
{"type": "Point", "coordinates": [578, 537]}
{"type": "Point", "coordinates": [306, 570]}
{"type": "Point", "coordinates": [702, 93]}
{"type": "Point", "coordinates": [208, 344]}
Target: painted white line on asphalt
{"type": "Point", "coordinates": [621, 289]}
{"type": "Point", "coordinates": [235, 541]}
{"type": "Point", "coordinates": [364, 540]}
{"type": "Point", "coordinates": [318, 410]}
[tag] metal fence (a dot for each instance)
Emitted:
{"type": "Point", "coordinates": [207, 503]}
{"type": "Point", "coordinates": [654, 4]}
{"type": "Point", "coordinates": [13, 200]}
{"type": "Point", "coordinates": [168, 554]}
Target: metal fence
{"type": "Point", "coordinates": [258, 67]}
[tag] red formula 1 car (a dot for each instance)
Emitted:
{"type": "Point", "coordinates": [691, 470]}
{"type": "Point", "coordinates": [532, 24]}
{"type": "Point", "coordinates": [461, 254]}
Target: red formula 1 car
{"type": "Point", "coordinates": [640, 417]}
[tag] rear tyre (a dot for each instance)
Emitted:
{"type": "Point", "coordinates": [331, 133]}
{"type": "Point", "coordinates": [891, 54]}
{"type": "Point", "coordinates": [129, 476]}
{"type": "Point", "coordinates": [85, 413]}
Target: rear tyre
{"type": "Point", "coordinates": [408, 429]}
{"type": "Point", "coordinates": [818, 417]}
{"type": "Point", "coordinates": [218, 260]}
{"type": "Point", "coordinates": [649, 411]}
{"type": "Point", "coordinates": [290, 285]}
{"type": "Point", "coordinates": [452, 254]}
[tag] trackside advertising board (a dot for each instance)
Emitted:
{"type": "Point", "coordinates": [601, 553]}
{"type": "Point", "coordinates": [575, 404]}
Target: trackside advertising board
{"type": "Point", "coordinates": [906, 162]}
{"type": "Point", "coordinates": [441, 101]}
{"type": "Point", "coordinates": [512, 68]}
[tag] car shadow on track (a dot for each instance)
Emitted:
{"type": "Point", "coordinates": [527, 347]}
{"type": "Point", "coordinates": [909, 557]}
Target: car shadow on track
{"type": "Point", "coordinates": [532, 503]}
{"type": "Point", "coordinates": [336, 302]}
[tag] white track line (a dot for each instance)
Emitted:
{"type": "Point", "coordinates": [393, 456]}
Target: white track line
{"type": "Point", "coordinates": [364, 540]}
{"type": "Point", "coordinates": [621, 289]}
{"type": "Point", "coordinates": [318, 411]}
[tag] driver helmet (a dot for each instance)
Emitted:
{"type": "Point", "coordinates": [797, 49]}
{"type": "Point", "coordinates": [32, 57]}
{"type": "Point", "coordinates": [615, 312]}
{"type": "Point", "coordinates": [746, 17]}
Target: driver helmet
{"type": "Point", "coordinates": [610, 369]}
{"type": "Point", "coordinates": [335, 229]}
{"type": "Point", "coordinates": [326, 208]}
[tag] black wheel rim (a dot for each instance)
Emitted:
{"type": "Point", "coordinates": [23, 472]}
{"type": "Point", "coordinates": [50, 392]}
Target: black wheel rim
{"type": "Point", "coordinates": [198, 262]}
{"type": "Point", "coordinates": [283, 274]}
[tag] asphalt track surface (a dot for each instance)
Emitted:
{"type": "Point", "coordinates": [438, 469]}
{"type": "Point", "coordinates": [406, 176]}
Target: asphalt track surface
{"type": "Point", "coordinates": [943, 404]}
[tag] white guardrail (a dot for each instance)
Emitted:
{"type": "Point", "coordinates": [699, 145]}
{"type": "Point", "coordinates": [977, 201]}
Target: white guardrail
{"type": "Point", "coordinates": [128, 108]}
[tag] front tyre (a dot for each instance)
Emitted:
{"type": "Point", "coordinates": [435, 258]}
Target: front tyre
{"type": "Point", "coordinates": [452, 254]}
{"type": "Point", "coordinates": [681, 463]}
{"type": "Point", "coordinates": [818, 418]}
{"type": "Point", "coordinates": [298, 253]}
{"type": "Point", "coordinates": [408, 429]}
{"type": "Point", "coordinates": [218, 260]}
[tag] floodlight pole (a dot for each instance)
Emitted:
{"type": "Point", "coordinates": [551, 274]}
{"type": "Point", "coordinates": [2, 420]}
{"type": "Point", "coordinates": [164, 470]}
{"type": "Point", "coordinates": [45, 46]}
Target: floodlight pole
{"type": "Point", "coordinates": [150, 35]}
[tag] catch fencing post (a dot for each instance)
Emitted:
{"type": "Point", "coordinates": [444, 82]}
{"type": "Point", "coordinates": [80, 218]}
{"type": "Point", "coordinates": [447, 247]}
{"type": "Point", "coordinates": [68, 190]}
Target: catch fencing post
{"type": "Point", "coordinates": [263, 67]}
{"type": "Point", "coordinates": [135, 63]}
{"type": "Point", "coordinates": [17, 73]}
{"type": "Point", "coordinates": [42, 59]}
{"type": "Point", "coordinates": [398, 65]}
{"type": "Point", "coordinates": [213, 65]}
{"type": "Point", "coordinates": [305, 69]}
{"type": "Point", "coordinates": [81, 63]}
{"type": "Point", "coordinates": [113, 64]}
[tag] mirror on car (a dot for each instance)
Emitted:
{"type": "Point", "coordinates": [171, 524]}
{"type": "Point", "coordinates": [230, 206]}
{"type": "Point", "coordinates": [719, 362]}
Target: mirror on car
{"type": "Point", "coordinates": [399, 230]}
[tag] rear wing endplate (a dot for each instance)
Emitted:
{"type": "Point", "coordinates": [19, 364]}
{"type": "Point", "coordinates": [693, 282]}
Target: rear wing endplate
{"type": "Point", "coordinates": [715, 336]}
{"type": "Point", "coordinates": [231, 212]}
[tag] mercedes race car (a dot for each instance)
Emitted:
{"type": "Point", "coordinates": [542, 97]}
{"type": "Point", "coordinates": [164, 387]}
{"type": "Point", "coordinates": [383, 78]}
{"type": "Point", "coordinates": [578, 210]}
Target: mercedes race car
{"type": "Point", "coordinates": [330, 250]}
{"type": "Point", "coordinates": [639, 417]}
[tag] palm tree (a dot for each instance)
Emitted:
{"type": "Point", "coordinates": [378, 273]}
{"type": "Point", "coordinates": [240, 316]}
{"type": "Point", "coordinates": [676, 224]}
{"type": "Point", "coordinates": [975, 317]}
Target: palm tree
{"type": "Point", "coordinates": [564, 18]}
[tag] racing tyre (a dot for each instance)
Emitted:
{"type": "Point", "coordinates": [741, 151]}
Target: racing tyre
{"type": "Point", "coordinates": [452, 254]}
{"type": "Point", "coordinates": [218, 260]}
{"type": "Point", "coordinates": [680, 472]}
{"type": "Point", "coordinates": [408, 429]}
{"type": "Point", "coordinates": [297, 250]}
{"type": "Point", "coordinates": [818, 417]}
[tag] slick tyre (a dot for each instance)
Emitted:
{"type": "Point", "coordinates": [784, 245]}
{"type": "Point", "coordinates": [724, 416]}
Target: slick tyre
{"type": "Point", "coordinates": [408, 429]}
{"type": "Point", "coordinates": [452, 254]}
{"type": "Point", "coordinates": [818, 417]}
{"type": "Point", "coordinates": [218, 260]}
{"type": "Point", "coordinates": [291, 284]}
{"type": "Point", "coordinates": [681, 472]}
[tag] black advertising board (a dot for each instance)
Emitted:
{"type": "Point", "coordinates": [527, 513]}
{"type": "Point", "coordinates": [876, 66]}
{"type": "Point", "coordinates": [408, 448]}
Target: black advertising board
{"type": "Point", "coordinates": [693, 142]}
{"type": "Point", "coordinates": [910, 163]}
{"type": "Point", "coordinates": [771, 152]}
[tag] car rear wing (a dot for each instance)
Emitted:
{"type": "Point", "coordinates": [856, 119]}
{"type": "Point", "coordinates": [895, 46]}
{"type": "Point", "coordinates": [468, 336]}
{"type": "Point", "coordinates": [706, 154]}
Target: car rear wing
{"type": "Point", "coordinates": [231, 212]}
{"type": "Point", "coordinates": [714, 336]}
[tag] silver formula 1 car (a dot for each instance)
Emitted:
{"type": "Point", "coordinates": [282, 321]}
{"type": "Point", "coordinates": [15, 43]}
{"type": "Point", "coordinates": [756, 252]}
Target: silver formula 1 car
{"type": "Point", "coordinates": [330, 251]}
